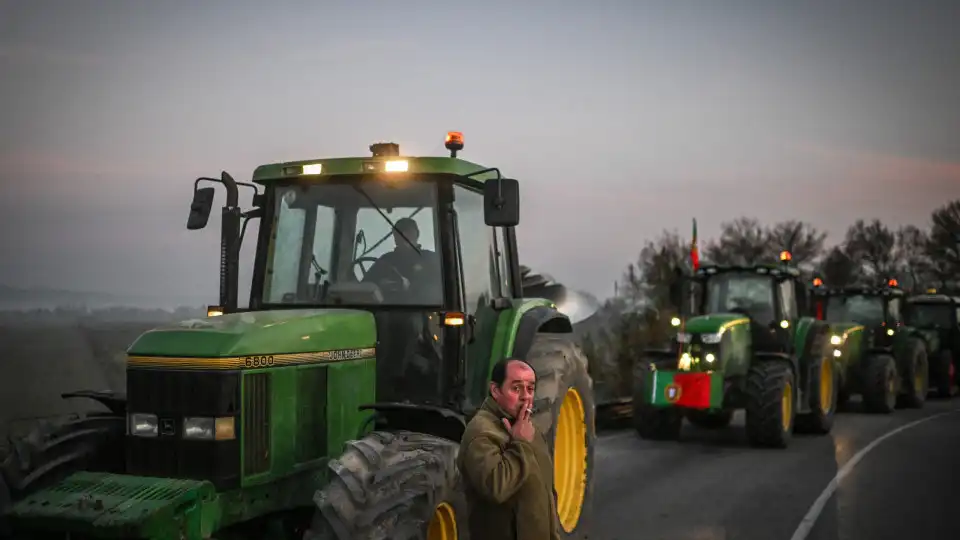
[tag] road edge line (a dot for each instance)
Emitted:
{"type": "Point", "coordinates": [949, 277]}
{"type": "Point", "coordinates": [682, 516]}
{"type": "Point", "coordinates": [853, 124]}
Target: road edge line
{"type": "Point", "coordinates": [810, 519]}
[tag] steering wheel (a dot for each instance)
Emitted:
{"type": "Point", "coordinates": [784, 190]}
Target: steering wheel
{"type": "Point", "coordinates": [359, 262]}
{"type": "Point", "coordinates": [400, 283]}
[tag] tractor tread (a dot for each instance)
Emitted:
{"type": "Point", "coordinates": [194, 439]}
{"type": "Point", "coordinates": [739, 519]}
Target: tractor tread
{"type": "Point", "coordinates": [764, 388]}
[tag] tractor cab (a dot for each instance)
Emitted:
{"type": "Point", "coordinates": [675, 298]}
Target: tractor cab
{"type": "Point", "coordinates": [424, 244]}
{"type": "Point", "coordinates": [767, 295]}
{"type": "Point", "coordinates": [878, 309]}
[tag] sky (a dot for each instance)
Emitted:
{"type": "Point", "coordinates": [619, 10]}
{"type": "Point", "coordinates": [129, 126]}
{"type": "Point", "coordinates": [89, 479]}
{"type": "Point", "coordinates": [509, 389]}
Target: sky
{"type": "Point", "coordinates": [619, 118]}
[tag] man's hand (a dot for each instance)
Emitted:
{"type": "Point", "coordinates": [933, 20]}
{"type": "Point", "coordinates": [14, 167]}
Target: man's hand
{"type": "Point", "coordinates": [522, 428]}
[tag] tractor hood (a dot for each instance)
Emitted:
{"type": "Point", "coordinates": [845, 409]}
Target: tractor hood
{"type": "Point", "coordinates": [261, 332]}
{"type": "Point", "coordinates": [715, 322]}
{"type": "Point", "coordinates": [844, 329]}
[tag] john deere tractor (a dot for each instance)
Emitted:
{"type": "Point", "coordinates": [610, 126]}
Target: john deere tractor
{"type": "Point", "coordinates": [746, 346]}
{"type": "Point", "coordinates": [935, 318]}
{"type": "Point", "coordinates": [331, 407]}
{"type": "Point", "coordinates": [880, 358]}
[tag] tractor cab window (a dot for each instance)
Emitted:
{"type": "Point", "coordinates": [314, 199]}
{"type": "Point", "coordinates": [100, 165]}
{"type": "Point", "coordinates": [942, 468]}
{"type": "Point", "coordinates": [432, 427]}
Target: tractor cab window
{"type": "Point", "coordinates": [481, 270]}
{"type": "Point", "coordinates": [788, 300]}
{"type": "Point", "coordinates": [930, 316]}
{"type": "Point", "coordinates": [859, 308]}
{"type": "Point", "coordinates": [893, 310]}
{"type": "Point", "coordinates": [355, 242]}
{"type": "Point", "coordinates": [741, 292]}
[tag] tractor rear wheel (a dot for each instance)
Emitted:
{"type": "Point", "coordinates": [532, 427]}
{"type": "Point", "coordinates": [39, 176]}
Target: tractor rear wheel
{"type": "Point", "coordinates": [710, 420]}
{"type": "Point", "coordinates": [944, 374]}
{"type": "Point", "coordinates": [52, 451]}
{"type": "Point", "coordinates": [914, 375]}
{"type": "Point", "coordinates": [880, 384]}
{"type": "Point", "coordinates": [398, 485]}
{"type": "Point", "coordinates": [824, 388]}
{"type": "Point", "coordinates": [566, 415]}
{"type": "Point", "coordinates": [770, 398]}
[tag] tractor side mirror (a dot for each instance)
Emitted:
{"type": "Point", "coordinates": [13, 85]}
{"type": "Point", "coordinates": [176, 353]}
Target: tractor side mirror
{"type": "Point", "coordinates": [200, 208]}
{"type": "Point", "coordinates": [501, 202]}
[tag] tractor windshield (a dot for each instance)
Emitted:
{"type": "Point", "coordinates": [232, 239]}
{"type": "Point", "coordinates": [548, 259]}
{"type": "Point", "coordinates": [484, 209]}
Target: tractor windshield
{"type": "Point", "coordinates": [930, 316]}
{"type": "Point", "coordinates": [858, 308]}
{"type": "Point", "coordinates": [363, 241]}
{"type": "Point", "coordinates": [741, 292]}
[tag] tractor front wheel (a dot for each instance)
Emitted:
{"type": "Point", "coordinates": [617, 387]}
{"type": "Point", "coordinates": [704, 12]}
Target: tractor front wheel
{"type": "Point", "coordinates": [53, 451]}
{"type": "Point", "coordinates": [770, 398]}
{"type": "Point", "coordinates": [880, 384]}
{"type": "Point", "coordinates": [566, 416]}
{"type": "Point", "coordinates": [399, 485]}
{"type": "Point", "coordinates": [914, 376]}
{"type": "Point", "coordinates": [944, 374]}
{"type": "Point", "coordinates": [823, 398]}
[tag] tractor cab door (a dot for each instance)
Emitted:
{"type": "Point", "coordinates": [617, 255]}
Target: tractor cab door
{"type": "Point", "coordinates": [484, 261]}
{"type": "Point", "coordinates": [788, 310]}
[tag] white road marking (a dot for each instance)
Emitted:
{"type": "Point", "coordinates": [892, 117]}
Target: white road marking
{"type": "Point", "coordinates": [808, 521]}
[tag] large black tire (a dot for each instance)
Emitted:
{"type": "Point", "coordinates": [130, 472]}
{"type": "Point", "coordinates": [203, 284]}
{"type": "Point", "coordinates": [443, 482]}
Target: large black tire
{"type": "Point", "coordinates": [822, 398]}
{"type": "Point", "coordinates": [768, 386]}
{"type": "Point", "coordinates": [941, 372]}
{"type": "Point", "coordinates": [389, 485]}
{"type": "Point", "coordinates": [879, 384]}
{"type": "Point", "coordinates": [710, 420]}
{"type": "Point", "coordinates": [914, 375]}
{"type": "Point", "coordinates": [52, 451]}
{"type": "Point", "coordinates": [562, 378]}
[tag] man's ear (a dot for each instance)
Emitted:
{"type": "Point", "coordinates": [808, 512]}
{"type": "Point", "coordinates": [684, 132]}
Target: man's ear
{"type": "Point", "coordinates": [494, 391]}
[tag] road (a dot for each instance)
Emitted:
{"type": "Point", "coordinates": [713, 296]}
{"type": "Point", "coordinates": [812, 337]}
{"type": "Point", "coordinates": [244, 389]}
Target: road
{"type": "Point", "coordinates": [712, 486]}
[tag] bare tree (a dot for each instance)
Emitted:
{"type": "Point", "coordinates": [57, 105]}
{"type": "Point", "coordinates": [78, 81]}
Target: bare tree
{"type": "Point", "coordinates": [942, 245]}
{"type": "Point", "coordinates": [801, 239]}
{"type": "Point", "coordinates": [838, 269]}
{"type": "Point", "coordinates": [912, 257]}
{"type": "Point", "coordinates": [871, 245]}
{"type": "Point", "coordinates": [742, 241]}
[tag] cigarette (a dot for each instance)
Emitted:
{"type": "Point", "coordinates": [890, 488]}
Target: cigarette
{"type": "Point", "coordinates": [530, 410]}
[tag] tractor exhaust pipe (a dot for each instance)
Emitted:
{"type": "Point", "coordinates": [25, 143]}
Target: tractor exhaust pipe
{"type": "Point", "coordinates": [230, 246]}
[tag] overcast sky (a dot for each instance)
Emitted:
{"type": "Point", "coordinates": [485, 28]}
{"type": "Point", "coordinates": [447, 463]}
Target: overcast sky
{"type": "Point", "coordinates": [619, 118]}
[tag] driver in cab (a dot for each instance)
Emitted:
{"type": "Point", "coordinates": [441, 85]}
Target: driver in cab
{"type": "Point", "coordinates": [409, 268]}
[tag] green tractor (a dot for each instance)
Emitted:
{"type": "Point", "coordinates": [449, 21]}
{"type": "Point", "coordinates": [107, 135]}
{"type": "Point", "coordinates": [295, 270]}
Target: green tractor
{"type": "Point", "coordinates": [935, 317]}
{"type": "Point", "coordinates": [880, 358]}
{"type": "Point", "coordinates": [333, 406]}
{"type": "Point", "coordinates": [747, 346]}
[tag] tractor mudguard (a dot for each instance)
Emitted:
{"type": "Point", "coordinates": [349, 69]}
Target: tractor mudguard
{"type": "Point", "coordinates": [103, 505]}
{"type": "Point", "coordinates": [116, 402]}
{"type": "Point", "coordinates": [541, 319]}
{"type": "Point", "coordinates": [438, 421]}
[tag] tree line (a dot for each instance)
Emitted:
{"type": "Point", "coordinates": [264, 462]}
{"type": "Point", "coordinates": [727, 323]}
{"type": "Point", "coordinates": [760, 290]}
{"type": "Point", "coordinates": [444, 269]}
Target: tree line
{"type": "Point", "coordinates": [638, 316]}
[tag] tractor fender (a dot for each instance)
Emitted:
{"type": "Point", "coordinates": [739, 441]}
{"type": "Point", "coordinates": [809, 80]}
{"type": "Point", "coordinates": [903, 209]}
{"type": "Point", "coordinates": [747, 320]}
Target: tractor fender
{"type": "Point", "coordinates": [541, 319]}
{"type": "Point", "coordinates": [115, 402]}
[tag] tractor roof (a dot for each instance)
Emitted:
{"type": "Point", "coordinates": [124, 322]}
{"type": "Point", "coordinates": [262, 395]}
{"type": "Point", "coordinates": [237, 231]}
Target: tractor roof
{"type": "Point", "coordinates": [933, 299]}
{"type": "Point", "coordinates": [321, 168]}
{"type": "Point", "coordinates": [857, 290]}
{"type": "Point", "coordinates": [776, 270]}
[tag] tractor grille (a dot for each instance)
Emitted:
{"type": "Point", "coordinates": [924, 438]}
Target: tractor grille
{"type": "Point", "coordinates": [173, 395]}
{"type": "Point", "coordinates": [256, 422]}
{"type": "Point", "coordinates": [311, 413]}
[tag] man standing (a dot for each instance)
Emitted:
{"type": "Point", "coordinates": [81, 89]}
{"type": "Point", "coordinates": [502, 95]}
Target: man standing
{"type": "Point", "coordinates": [506, 462]}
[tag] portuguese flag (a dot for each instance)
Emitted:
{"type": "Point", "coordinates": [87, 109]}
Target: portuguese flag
{"type": "Point", "coordinates": [694, 252]}
{"type": "Point", "coordinates": [694, 390]}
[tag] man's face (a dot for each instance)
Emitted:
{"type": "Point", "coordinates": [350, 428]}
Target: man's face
{"type": "Point", "coordinates": [400, 243]}
{"type": "Point", "coordinates": [517, 390]}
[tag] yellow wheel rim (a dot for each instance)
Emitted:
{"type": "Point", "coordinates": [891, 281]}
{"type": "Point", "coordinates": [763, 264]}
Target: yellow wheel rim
{"type": "Point", "coordinates": [443, 525]}
{"type": "Point", "coordinates": [826, 385]}
{"type": "Point", "coordinates": [786, 405]}
{"type": "Point", "coordinates": [918, 380]}
{"type": "Point", "coordinates": [570, 460]}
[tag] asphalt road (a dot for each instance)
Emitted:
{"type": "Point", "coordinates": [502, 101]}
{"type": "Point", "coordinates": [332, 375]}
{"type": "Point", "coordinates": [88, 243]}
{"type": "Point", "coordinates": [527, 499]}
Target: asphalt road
{"type": "Point", "coordinates": [712, 486]}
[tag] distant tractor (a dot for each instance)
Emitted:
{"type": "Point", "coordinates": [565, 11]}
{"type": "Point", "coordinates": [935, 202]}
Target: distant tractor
{"type": "Point", "coordinates": [333, 406]}
{"type": "Point", "coordinates": [935, 317]}
{"type": "Point", "coordinates": [880, 358]}
{"type": "Point", "coordinates": [747, 346]}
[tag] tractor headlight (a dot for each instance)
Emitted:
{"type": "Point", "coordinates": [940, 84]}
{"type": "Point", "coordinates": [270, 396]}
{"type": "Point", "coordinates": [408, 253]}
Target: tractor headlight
{"type": "Point", "coordinates": [836, 340]}
{"type": "Point", "coordinates": [683, 337]}
{"type": "Point", "coordinates": [142, 425]}
{"type": "Point", "coordinates": [711, 338]}
{"type": "Point", "coordinates": [209, 429]}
